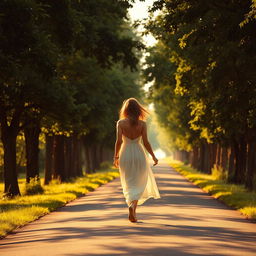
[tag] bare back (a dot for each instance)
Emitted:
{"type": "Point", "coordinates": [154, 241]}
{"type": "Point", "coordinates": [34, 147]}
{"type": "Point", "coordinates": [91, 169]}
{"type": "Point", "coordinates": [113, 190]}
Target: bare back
{"type": "Point", "coordinates": [132, 132]}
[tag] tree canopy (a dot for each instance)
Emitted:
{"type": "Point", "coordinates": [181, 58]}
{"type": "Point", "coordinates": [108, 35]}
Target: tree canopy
{"type": "Point", "coordinates": [203, 73]}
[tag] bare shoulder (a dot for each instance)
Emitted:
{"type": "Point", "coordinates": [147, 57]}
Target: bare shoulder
{"type": "Point", "coordinates": [143, 123]}
{"type": "Point", "coordinates": [120, 122]}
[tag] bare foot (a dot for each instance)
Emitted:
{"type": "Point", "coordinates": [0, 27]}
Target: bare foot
{"type": "Point", "coordinates": [132, 213]}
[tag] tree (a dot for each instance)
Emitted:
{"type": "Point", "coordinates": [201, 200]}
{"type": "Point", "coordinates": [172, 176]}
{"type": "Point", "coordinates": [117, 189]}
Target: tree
{"type": "Point", "coordinates": [211, 52]}
{"type": "Point", "coordinates": [27, 61]}
{"type": "Point", "coordinates": [33, 48]}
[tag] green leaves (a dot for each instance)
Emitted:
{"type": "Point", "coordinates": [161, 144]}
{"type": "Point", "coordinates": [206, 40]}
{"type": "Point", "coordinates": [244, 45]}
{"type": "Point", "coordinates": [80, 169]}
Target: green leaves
{"type": "Point", "coordinates": [56, 56]}
{"type": "Point", "coordinates": [210, 71]}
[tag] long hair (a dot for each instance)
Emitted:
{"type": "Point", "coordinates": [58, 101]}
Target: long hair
{"type": "Point", "coordinates": [133, 110]}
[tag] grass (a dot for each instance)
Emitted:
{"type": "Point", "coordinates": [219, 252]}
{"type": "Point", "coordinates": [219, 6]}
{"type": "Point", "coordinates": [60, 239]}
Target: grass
{"type": "Point", "coordinates": [235, 196]}
{"type": "Point", "coordinates": [20, 210]}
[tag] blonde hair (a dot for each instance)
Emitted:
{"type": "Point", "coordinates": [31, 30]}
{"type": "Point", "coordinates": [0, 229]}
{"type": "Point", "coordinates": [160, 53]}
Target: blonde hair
{"type": "Point", "coordinates": [133, 110]}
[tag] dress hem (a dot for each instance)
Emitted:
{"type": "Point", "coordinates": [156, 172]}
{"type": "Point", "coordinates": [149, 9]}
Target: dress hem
{"type": "Point", "coordinates": [141, 201]}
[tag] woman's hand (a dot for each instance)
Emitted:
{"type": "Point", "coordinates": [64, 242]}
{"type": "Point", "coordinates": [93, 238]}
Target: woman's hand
{"type": "Point", "coordinates": [116, 162]}
{"type": "Point", "coordinates": [155, 160]}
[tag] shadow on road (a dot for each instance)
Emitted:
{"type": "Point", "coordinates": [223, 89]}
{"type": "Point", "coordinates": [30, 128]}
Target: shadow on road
{"type": "Point", "coordinates": [181, 221]}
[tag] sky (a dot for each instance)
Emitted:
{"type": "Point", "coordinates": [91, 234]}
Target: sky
{"type": "Point", "coordinates": [140, 11]}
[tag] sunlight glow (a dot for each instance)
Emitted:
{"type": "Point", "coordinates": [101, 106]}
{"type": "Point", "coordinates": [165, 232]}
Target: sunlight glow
{"type": "Point", "coordinates": [139, 11]}
{"type": "Point", "coordinates": [159, 153]}
{"type": "Point", "coordinates": [146, 86]}
{"type": "Point", "coordinates": [151, 106]}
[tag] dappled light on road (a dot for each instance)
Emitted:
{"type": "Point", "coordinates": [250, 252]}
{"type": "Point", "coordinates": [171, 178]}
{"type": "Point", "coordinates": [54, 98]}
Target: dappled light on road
{"type": "Point", "coordinates": [185, 221]}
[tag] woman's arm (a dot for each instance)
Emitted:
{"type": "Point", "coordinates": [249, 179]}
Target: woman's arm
{"type": "Point", "coordinates": [119, 140]}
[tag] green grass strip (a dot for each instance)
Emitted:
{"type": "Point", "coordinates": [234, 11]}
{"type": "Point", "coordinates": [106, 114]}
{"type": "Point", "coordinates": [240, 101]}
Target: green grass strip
{"type": "Point", "coordinates": [232, 195]}
{"type": "Point", "coordinates": [20, 210]}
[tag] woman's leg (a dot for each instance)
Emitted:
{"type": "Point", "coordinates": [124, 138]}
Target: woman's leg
{"type": "Point", "coordinates": [135, 202]}
{"type": "Point", "coordinates": [132, 208]}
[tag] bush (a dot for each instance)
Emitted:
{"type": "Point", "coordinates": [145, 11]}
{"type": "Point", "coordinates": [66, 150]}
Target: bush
{"type": "Point", "coordinates": [105, 165]}
{"type": "Point", "coordinates": [219, 173]}
{"type": "Point", "coordinates": [34, 187]}
{"type": "Point", "coordinates": [55, 181]}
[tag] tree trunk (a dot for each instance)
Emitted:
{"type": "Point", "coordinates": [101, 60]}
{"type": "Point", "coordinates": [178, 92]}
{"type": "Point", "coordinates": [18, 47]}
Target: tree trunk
{"type": "Point", "coordinates": [185, 157]}
{"type": "Point", "coordinates": [68, 148]}
{"type": "Point", "coordinates": [76, 156]}
{"type": "Point", "coordinates": [79, 170]}
{"type": "Point", "coordinates": [48, 159]}
{"type": "Point", "coordinates": [240, 164]}
{"type": "Point", "coordinates": [224, 158]}
{"type": "Point", "coordinates": [101, 152]}
{"type": "Point", "coordinates": [92, 156]}
{"type": "Point", "coordinates": [98, 161]}
{"type": "Point", "coordinates": [201, 157]}
{"type": "Point", "coordinates": [251, 169]}
{"type": "Point", "coordinates": [213, 155]}
{"type": "Point", "coordinates": [190, 157]}
{"type": "Point", "coordinates": [32, 151]}
{"type": "Point", "coordinates": [195, 158]}
{"type": "Point", "coordinates": [218, 156]}
{"type": "Point", "coordinates": [59, 168]}
{"type": "Point", "coordinates": [87, 159]}
{"type": "Point", "coordinates": [11, 187]}
{"type": "Point", "coordinates": [231, 164]}
{"type": "Point", "coordinates": [176, 155]}
{"type": "Point", "coordinates": [237, 162]}
{"type": "Point", "coordinates": [207, 168]}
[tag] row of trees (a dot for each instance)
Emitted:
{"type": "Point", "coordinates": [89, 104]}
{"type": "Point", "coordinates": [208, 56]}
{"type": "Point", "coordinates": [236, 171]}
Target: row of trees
{"type": "Point", "coordinates": [204, 83]}
{"type": "Point", "coordinates": [65, 68]}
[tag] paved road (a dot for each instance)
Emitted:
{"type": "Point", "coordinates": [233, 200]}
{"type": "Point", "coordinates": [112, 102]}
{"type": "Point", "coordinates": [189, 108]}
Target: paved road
{"type": "Point", "coordinates": [185, 221]}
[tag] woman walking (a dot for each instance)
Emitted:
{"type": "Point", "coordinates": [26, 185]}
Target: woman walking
{"type": "Point", "coordinates": [136, 175]}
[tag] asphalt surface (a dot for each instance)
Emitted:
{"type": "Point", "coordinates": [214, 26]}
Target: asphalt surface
{"type": "Point", "coordinates": [184, 221]}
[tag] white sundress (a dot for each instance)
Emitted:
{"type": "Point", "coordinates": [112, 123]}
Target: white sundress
{"type": "Point", "coordinates": [137, 179]}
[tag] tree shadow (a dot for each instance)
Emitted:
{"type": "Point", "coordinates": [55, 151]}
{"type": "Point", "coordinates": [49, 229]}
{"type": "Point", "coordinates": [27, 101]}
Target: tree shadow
{"type": "Point", "coordinates": [100, 215]}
